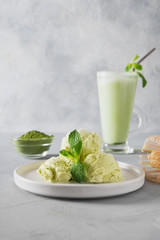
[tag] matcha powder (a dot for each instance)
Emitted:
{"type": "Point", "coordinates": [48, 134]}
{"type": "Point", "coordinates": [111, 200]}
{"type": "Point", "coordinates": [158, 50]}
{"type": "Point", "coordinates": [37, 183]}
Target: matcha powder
{"type": "Point", "coordinates": [34, 135]}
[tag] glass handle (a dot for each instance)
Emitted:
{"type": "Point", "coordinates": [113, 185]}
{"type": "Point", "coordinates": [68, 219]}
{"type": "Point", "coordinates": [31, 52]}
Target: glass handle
{"type": "Point", "coordinates": [140, 117]}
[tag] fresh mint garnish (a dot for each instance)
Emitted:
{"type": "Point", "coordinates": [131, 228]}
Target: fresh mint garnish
{"type": "Point", "coordinates": [144, 82]}
{"type": "Point", "coordinates": [75, 143]}
{"type": "Point", "coordinates": [77, 168]}
{"type": "Point", "coordinates": [137, 66]}
{"type": "Point", "coordinates": [135, 58]}
{"type": "Point", "coordinates": [132, 66]}
{"type": "Point", "coordinates": [128, 67]}
{"type": "Point", "coordinates": [78, 171]}
{"type": "Point", "coordinates": [67, 153]}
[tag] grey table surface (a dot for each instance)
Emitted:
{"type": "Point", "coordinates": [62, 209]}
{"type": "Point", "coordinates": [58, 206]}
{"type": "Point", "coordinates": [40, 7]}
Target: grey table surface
{"type": "Point", "coordinates": [24, 215]}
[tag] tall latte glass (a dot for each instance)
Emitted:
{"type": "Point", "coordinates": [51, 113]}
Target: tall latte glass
{"type": "Point", "coordinates": [116, 97]}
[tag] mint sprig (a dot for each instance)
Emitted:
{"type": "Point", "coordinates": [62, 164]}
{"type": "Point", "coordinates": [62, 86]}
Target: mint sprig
{"type": "Point", "coordinates": [77, 168]}
{"type": "Point", "coordinates": [132, 66]}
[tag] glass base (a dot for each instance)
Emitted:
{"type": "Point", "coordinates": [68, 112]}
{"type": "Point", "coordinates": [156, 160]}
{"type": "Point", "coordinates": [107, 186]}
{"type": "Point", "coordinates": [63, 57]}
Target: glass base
{"type": "Point", "coordinates": [34, 156]}
{"type": "Point", "coordinates": [119, 148]}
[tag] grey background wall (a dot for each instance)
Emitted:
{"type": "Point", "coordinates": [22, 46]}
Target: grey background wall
{"type": "Point", "coordinates": [50, 51]}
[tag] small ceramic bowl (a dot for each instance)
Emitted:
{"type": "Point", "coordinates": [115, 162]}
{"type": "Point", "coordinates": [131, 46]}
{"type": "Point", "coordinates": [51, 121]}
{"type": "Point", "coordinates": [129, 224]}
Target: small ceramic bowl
{"type": "Point", "coordinates": [32, 148]}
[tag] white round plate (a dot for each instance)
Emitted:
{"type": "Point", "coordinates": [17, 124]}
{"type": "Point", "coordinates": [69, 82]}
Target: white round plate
{"type": "Point", "coordinates": [27, 178]}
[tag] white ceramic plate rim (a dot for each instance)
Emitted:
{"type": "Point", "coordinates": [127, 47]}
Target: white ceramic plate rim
{"type": "Point", "coordinates": [96, 190]}
{"type": "Point", "coordinates": [79, 184]}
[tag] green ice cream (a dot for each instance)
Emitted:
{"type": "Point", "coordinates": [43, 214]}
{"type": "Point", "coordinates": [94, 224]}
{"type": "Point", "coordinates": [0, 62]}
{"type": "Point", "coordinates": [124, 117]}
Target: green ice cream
{"type": "Point", "coordinates": [99, 166]}
{"type": "Point", "coordinates": [56, 169]}
{"type": "Point", "coordinates": [102, 167]}
{"type": "Point", "coordinates": [91, 142]}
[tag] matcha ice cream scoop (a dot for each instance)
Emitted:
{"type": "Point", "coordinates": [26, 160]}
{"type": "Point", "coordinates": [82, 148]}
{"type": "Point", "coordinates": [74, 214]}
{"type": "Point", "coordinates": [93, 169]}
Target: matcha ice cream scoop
{"type": "Point", "coordinates": [91, 142]}
{"type": "Point", "coordinates": [56, 169]}
{"type": "Point", "coordinates": [102, 167]}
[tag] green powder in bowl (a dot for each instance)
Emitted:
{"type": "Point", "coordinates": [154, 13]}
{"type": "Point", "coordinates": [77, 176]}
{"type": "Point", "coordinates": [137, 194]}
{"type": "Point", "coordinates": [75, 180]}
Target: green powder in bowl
{"type": "Point", "coordinates": [33, 144]}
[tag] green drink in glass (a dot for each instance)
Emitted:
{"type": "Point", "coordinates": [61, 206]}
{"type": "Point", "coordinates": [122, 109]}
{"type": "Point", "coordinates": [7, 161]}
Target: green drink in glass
{"type": "Point", "coordinates": [116, 92]}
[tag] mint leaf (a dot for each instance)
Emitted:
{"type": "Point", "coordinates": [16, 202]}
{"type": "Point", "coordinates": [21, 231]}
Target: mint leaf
{"type": "Point", "coordinates": [66, 153]}
{"type": "Point", "coordinates": [128, 67]}
{"type": "Point", "coordinates": [75, 143]}
{"type": "Point", "coordinates": [78, 171]}
{"type": "Point", "coordinates": [132, 66]}
{"type": "Point", "coordinates": [137, 66]}
{"type": "Point", "coordinates": [135, 58]}
{"type": "Point", "coordinates": [144, 82]}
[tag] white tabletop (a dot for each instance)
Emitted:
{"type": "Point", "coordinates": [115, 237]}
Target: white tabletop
{"type": "Point", "coordinates": [24, 215]}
